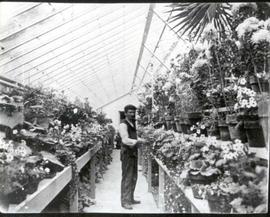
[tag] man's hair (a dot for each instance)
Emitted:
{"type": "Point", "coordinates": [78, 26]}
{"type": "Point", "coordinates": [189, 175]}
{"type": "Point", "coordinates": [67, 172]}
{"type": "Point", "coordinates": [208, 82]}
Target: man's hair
{"type": "Point", "coordinates": [129, 107]}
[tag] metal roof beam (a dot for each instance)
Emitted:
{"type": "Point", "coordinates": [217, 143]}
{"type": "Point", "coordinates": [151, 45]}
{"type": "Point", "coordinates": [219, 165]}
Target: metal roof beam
{"type": "Point", "coordinates": [145, 34]}
{"type": "Point", "coordinates": [114, 100]}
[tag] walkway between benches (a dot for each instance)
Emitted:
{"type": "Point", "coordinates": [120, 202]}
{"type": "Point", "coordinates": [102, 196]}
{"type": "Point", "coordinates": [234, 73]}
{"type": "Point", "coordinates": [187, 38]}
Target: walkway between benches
{"type": "Point", "coordinates": [108, 192]}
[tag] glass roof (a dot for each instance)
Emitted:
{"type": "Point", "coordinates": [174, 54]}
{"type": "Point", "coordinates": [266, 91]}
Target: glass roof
{"type": "Point", "coordinates": [99, 51]}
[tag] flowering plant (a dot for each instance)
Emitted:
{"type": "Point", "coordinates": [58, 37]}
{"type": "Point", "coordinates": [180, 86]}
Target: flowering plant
{"type": "Point", "coordinates": [245, 96]}
{"type": "Point", "coordinates": [199, 128]}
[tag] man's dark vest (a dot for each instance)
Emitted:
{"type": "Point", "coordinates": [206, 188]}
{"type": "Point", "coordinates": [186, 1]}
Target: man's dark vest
{"type": "Point", "coordinates": [132, 134]}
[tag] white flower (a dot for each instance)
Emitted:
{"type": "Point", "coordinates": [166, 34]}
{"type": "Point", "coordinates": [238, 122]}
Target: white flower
{"type": "Point", "coordinates": [238, 44]}
{"type": "Point", "coordinates": [242, 81]}
{"type": "Point", "coordinates": [249, 24]}
{"type": "Point", "coordinates": [202, 127]}
{"type": "Point", "coordinates": [261, 36]}
{"type": "Point", "coordinates": [252, 94]}
{"type": "Point", "coordinates": [244, 102]}
{"type": "Point", "coordinates": [9, 158]}
{"type": "Point", "coordinates": [177, 81]}
{"type": "Point", "coordinates": [226, 150]}
{"type": "Point", "coordinates": [75, 111]}
{"type": "Point", "coordinates": [238, 146]}
{"type": "Point", "coordinates": [198, 131]}
{"type": "Point", "coordinates": [237, 141]}
{"type": "Point", "coordinates": [253, 104]}
{"type": "Point", "coordinates": [47, 170]}
{"type": "Point", "coordinates": [15, 132]}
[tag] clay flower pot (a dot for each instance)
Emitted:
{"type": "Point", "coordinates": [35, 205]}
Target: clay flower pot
{"type": "Point", "coordinates": [224, 131]}
{"type": "Point", "coordinates": [177, 121]}
{"type": "Point", "coordinates": [254, 133]}
{"type": "Point", "coordinates": [236, 128]}
{"type": "Point", "coordinates": [194, 117]}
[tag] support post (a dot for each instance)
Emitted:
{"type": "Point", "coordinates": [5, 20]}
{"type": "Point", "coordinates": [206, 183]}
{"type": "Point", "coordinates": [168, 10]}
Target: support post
{"type": "Point", "coordinates": [161, 188]}
{"type": "Point", "coordinates": [93, 177]}
{"type": "Point", "coordinates": [149, 174]}
{"type": "Point", "coordinates": [74, 203]}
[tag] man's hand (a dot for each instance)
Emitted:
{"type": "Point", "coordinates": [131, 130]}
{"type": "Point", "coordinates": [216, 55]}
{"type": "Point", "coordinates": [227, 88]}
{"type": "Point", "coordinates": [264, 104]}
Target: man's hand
{"type": "Point", "coordinates": [141, 141]}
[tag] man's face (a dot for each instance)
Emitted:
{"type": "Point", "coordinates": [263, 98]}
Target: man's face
{"type": "Point", "coordinates": [130, 114]}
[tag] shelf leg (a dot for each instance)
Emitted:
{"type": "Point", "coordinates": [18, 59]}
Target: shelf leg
{"type": "Point", "coordinates": [93, 177]}
{"type": "Point", "coordinates": [74, 203]}
{"type": "Point", "coordinates": [161, 188]}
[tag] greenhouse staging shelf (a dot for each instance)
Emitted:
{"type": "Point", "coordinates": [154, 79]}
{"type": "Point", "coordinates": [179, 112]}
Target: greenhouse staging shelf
{"type": "Point", "coordinates": [48, 189]}
{"type": "Point", "coordinates": [198, 206]}
{"type": "Point", "coordinates": [84, 159]}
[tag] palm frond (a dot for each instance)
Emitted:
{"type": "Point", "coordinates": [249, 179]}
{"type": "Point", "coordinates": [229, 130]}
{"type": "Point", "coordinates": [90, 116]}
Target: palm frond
{"type": "Point", "coordinates": [192, 18]}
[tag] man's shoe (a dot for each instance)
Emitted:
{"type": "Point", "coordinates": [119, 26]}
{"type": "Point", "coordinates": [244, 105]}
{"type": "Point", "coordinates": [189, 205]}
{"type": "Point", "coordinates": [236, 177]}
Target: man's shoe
{"type": "Point", "coordinates": [135, 202]}
{"type": "Point", "coordinates": [127, 206]}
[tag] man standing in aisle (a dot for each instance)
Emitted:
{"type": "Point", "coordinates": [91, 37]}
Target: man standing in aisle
{"type": "Point", "coordinates": [129, 157]}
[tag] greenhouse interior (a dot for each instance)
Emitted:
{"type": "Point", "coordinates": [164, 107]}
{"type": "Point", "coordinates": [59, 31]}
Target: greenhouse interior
{"type": "Point", "coordinates": [134, 108]}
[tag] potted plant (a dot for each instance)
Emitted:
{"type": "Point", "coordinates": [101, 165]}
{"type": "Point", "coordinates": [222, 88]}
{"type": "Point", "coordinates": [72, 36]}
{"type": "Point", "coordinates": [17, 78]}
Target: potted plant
{"type": "Point", "coordinates": [200, 172]}
{"type": "Point", "coordinates": [223, 127]}
{"type": "Point", "coordinates": [210, 120]}
{"type": "Point", "coordinates": [236, 128]}
{"type": "Point", "coordinates": [247, 108]}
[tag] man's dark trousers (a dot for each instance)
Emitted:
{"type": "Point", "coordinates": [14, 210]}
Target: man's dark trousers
{"type": "Point", "coordinates": [129, 174]}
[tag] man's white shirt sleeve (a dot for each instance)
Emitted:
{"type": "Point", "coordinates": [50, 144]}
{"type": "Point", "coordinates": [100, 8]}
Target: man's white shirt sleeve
{"type": "Point", "coordinates": [124, 135]}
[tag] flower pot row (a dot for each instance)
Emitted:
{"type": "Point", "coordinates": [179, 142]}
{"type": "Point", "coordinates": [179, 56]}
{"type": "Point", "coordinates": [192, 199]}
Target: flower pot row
{"type": "Point", "coordinates": [247, 128]}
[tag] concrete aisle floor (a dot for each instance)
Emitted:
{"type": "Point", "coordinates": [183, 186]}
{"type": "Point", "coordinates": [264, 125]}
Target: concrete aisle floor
{"type": "Point", "coordinates": [108, 192]}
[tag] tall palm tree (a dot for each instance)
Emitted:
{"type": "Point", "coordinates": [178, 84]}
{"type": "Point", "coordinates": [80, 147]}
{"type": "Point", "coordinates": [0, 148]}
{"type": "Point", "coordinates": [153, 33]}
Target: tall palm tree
{"type": "Point", "coordinates": [192, 18]}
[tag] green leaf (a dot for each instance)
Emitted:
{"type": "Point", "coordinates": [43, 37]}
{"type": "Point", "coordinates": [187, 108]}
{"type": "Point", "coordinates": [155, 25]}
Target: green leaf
{"type": "Point", "coordinates": [51, 158]}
